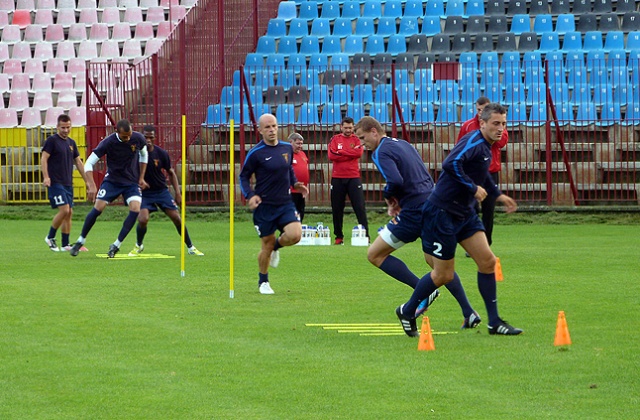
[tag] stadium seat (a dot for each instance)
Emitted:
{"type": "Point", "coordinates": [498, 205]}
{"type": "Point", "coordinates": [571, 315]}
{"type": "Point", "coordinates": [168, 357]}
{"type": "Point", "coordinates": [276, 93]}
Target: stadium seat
{"type": "Point", "coordinates": [516, 115]}
{"type": "Point", "coordinates": [318, 62]}
{"type": "Point", "coordinates": [572, 41]}
{"type": "Point", "coordinates": [350, 10]}
{"type": "Point", "coordinates": [275, 95]}
{"type": "Point", "coordinates": [516, 7]}
{"type": "Point", "coordinates": [535, 93]}
{"type": "Point", "coordinates": [424, 114]}
{"type": "Point", "coordinates": [356, 110]}
{"type": "Point", "coordinates": [614, 41]}
{"type": "Point", "coordinates": [308, 115]}
{"type": "Point", "coordinates": [33, 33]}
{"type": "Point", "coordinates": [42, 99]}
{"type": "Point", "coordinates": [434, 8]}
{"type": "Point", "coordinates": [361, 61]}
{"type": "Point", "coordinates": [354, 77]}
{"type": "Point", "coordinates": [630, 21]}
{"type": "Point", "coordinates": [319, 95]}
{"type": "Point", "coordinates": [506, 42]}
{"type": "Point", "coordinates": [372, 9]}
{"type": "Point", "coordinates": [31, 117]}
{"type": "Point", "coordinates": [539, 7]}
{"type": "Point", "coordinates": [580, 94]}
{"type": "Point", "coordinates": [8, 118]}
{"type": "Point", "coordinates": [495, 8]}
{"type": "Point", "coordinates": [353, 44]}
{"type": "Point", "coordinates": [447, 114]}
{"type": "Point", "coordinates": [586, 115]}
{"type": "Point", "coordinates": [386, 26]}
{"type": "Point", "coordinates": [441, 43]}
{"type": "Point", "coordinates": [565, 23]}
{"type": "Point", "coordinates": [392, 8]}
{"type": "Point", "coordinates": [18, 99]}
{"type": "Point", "coordinates": [474, 7]}
{"type": "Point", "coordinates": [287, 10]}
{"type": "Point", "coordinates": [310, 45]}
{"type": "Point", "coordinates": [609, 22]}
{"type": "Point", "coordinates": [287, 78]}
{"type": "Point", "coordinates": [99, 32]}
{"type": "Point", "coordinates": [470, 92]}
{"type": "Point", "coordinates": [602, 6]}
{"type": "Point", "coordinates": [340, 94]}
{"type": "Point", "coordinates": [543, 23]}
{"type": "Point", "coordinates": [342, 28]}
{"type": "Point", "coordinates": [4, 17]}
{"type": "Point", "coordinates": [380, 112]}
{"type": "Point", "coordinates": [453, 8]}
{"type": "Point", "coordinates": [363, 94]}
{"type": "Point", "coordinates": [12, 66]}
{"type": "Point", "coordinates": [430, 26]}
{"type": "Point", "coordinates": [298, 28]}
{"type": "Point", "coordinates": [11, 34]}
{"type": "Point", "coordinates": [22, 18]}
{"type": "Point", "coordinates": [111, 15]}
{"type": "Point", "coordinates": [320, 27]}
{"type": "Point", "coordinates": [308, 10]}
{"type": "Point", "coordinates": [413, 8]}
{"type": "Point", "coordinates": [286, 114]}
{"type": "Point", "coordinates": [396, 45]}
{"type": "Point", "coordinates": [483, 43]}
{"type": "Point", "coordinates": [365, 26]}
{"type": "Point", "coordinates": [331, 114]}
{"type": "Point", "coordinates": [538, 115]}
{"type": "Point", "coordinates": [55, 65]}
{"type": "Point", "coordinates": [22, 50]}
{"type": "Point", "coordinates": [476, 25]}
{"type": "Point", "coordinates": [633, 41]}
{"type": "Point", "coordinates": [520, 24]}
{"type": "Point", "coordinates": [288, 45]}
{"type": "Point", "coordinates": [155, 15]}
{"type": "Point", "coordinates": [528, 42]}
{"type": "Point", "coordinates": [375, 45]}
{"type": "Point", "coordinates": [332, 77]}
{"type": "Point", "coordinates": [560, 93]}
{"type": "Point", "coordinates": [609, 115]}
{"type": "Point", "coordinates": [340, 61]}
{"type": "Point", "coordinates": [515, 93]}
{"type": "Point", "coordinates": [90, 16]}
{"type": "Point", "coordinates": [277, 28]}
{"type": "Point", "coordinates": [87, 50]}
{"type": "Point", "coordinates": [266, 46]}
{"type": "Point", "coordinates": [498, 24]}
{"type": "Point", "coordinates": [453, 25]}
{"type": "Point", "coordinates": [408, 26]}
{"type": "Point", "coordinates": [602, 94]}
{"type": "Point", "coordinates": [67, 17]}
{"type": "Point", "coordinates": [77, 32]}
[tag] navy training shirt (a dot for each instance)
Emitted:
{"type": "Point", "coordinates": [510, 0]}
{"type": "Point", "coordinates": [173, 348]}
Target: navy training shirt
{"type": "Point", "coordinates": [158, 160]}
{"type": "Point", "coordinates": [402, 167]}
{"type": "Point", "coordinates": [123, 165]}
{"type": "Point", "coordinates": [272, 166]}
{"type": "Point", "coordinates": [466, 167]}
{"type": "Point", "coordinates": [63, 154]}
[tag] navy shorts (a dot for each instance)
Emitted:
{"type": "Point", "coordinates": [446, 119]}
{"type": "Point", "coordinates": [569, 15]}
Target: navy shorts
{"type": "Point", "coordinates": [59, 195]}
{"type": "Point", "coordinates": [268, 218]}
{"type": "Point", "coordinates": [403, 229]}
{"type": "Point", "coordinates": [162, 199]}
{"type": "Point", "coordinates": [441, 232]}
{"type": "Point", "coordinates": [109, 191]}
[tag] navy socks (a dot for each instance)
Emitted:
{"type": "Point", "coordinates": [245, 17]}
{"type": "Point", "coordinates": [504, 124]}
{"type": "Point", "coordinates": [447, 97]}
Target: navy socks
{"type": "Point", "coordinates": [128, 224]}
{"type": "Point", "coordinates": [399, 271]}
{"type": "Point", "coordinates": [487, 288]}
{"type": "Point", "coordinates": [89, 221]}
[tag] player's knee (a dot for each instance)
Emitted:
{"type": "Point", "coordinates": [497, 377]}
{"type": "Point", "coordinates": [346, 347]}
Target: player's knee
{"type": "Point", "coordinates": [374, 257]}
{"type": "Point", "coordinates": [143, 219]}
{"type": "Point", "coordinates": [487, 264]}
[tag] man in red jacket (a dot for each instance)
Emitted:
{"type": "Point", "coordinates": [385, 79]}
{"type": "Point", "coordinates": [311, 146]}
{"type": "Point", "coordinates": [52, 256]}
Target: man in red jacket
{"type": "Point", "coordinates": [489, 204]}
{"type": "Point", "coordinates": [300, 164]}
{"type": "Point", "coordinates": [345, 151]}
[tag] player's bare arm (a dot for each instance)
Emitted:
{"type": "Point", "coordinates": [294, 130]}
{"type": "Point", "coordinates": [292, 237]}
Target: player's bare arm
{"type": "Point", "coordinates": [508, 202]}
{"type": "Point", "coordinates": [254, 202]}
{"type": "Point", "coordinates": [301, 188]}
{"type": "Point", "coordinates": [44, 163]}
{"type": "Point", "coordinates": [91, 186]}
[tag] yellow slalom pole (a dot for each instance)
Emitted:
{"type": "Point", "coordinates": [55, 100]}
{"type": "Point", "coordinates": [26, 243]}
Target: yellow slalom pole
{"type": "Point", "coordinates": [183, 169]}
{"type": "Point", "coordinates": [232, 190]}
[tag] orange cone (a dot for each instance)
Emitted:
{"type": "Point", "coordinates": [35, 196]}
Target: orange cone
{"type": "Point", "coordinates": [498, 270]}
{"type": "Point", "coordinates": [425, 341]}
{"type": "Point", "coordinates": [562, 331]}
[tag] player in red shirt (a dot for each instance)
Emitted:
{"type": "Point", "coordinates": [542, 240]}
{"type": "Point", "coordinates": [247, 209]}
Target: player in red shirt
{"type": "Point", "coordinates": [301, 169]}
{"type": "Point", "coordinates": [488, 205]}
{"type": "Point", "coordinates": [345, 151]}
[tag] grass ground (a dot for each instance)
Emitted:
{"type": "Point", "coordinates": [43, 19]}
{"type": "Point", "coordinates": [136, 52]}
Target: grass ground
{"type": "Point", "coordinates": [87, 337]}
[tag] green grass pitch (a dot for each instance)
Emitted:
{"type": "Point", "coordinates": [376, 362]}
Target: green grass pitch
{"type": "Point", "coordinates": [92, 338]}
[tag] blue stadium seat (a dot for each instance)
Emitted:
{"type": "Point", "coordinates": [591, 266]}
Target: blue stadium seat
{"type": "Point", "coordinates": [288, 45]}
{"type": "Point", "coordinates": [614, 41]}
{"type": "Point", "coordinates": [427, 93]}
{"type": "Point", "coordinates": [308, 115]}
{"type": "Point", "coordinates": [572, 41]}
{"type": "Point", "coordinates": [383, 93]}
{"type": "Point", "coordinates": [488, 61]}
{"type": "Point", "coordinates": [453, 8]}
{"type": "Point", "coordinates": [234, 114]}
{"type": "Point", "coordinates": [469, 61]}
{"type": "Point", "coordinates": [408, 26]}
{"type": "Point", "coordinates": [392, 8]}
{"type": "Point", "coordinates": [298, 28]}
{"type": "Point", "coordinates": [543, 23]}
{"type": "Point", "coordinates": [372, 9]}
{"type": "Point", "coordinates": [536, 93]}
{"type": "Point", "coordinates": [253, 62]}
{"type": "Point", "coordinates": [287, 78]}
{"type": "Point", "coordinates": [581, 94]}
{"type": "Point", "coordinates": [577, 75]}
{"type": "Point", "coordinates": [287, 10]}
{"type": "Point", "coordinates": [365, 26]}
{"type": "Point", "coordinates": [255, 94]}
{"type": "Point", "coordinates": [354, 44]}
{"type": "Point", "coordinates": [276, 63]}
{"type": "Point", "coordinates": [447, 114]}
{"type": "Point", "coordinates": [331, 45]}
{"type": "Point", "coordinates": [263, 79]}
{"type": "Point", "coordinates": [520, 24]}
{"type": "Point", "coordinates": [216, 115]}
{"type": "Point", "coordinates": [308, 10]}
{"type": "Point", "coordinates": [560, 93]}
{"type": "Point", "coordinates": [633, 41]}
{"type": "Point", "coordinates": [565, 23]}
{"type": "Point", "coordinates": [230, 96]}
{"type": "Point", "coordinates": [549, 41]}
{"type": "Point", "coordinates": [340, 94]}
{"type": "Point", "coordinates": [470, 92]}
{"type": "Point", "coordinates": [555, 67]}
{"type": "Point", "coordinates": [330, 10]}
{"type": "Point", "coordinates": [351, 10]}
{"type": "Point", "coordinates": [406, 109]}
{"type": "Point", "coordinates": [586, 114]}
{"type": "Point", "coordinates": [380, 111]}
{"type": "Point", "coordinates": [424, 114]}
{"type": "Point", "coordinates": [431, 25]}
{"type": "Point", "coordinates": [340, 61]}
{"type": "Point", "coordinates": [277, 28]}
{"type": "Point", "coordinates": [297, 62]}
{"type": "Point", "coordinates": [515, 93]}
{"type": "Point", "coordinates": [599, 77]}
{"type": "Point", "coordinates": [448, 91]}
{"type": "Point", "coordinates": [342, 27]}
{"type": "Point", "coordinates": [434, 8]}
{"type": "Point", "coordinates": [286, 114]}
{"type": "Point", "coordinates": [401, 76]}
{"type": "Point", "coordinates": [331, 114]}
{"type": "Point", "coordinates": [632, 116]}
{"type": "Point", "coordinates": [363, 94]}
{"type": "Point", "coordinates": [375, 45]}
{"type": "Point", "coordinates": [318, 62]}
{"type": "Point", "coordinates": [413, 8]}
{"type": "Point", "coordinates": [355, 110]}
{"type": "Point", "coordinates": [309, 45]}
{"type": "Point", "coordinates": [609, 115]}
{"type": "Point", "coordinates": [266, 45]}
{"type": "Point", "coordinates": [595, 59]}
{"type": "Point", "coordinates": [510, 62]}
{"type": "Point", "coordinates": [603, 94]}
{"type": "Point", "coordinates": [517, 114]}
{"type": "Point", "coordinates": [538, 115]}
{"type": "Point", "coordinates": [406, 93]}
{"type": "Point", "coordinates": [592, 41]}
{"type": "Point", "coordinates": [318, 95]}
{"type": "Point", "coordinates": [468, 111]}
{"type": "Point", "coordinates": [474, 7]}
{"type": "Point", "coordinates": [623, 94]}
{"type": "Point", "coordinates": [386, 26]}
{"type": "Point", "coordinates": [321, 27]}
{"type": "Point", "coordinates": [397, 44]}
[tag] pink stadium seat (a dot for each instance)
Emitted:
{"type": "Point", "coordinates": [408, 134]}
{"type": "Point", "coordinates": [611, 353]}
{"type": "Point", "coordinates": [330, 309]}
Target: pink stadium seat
{"type": "Point", "coordinates": [169, 3]}
{"type": "Point", "coordinates": [20, 82]}
{"type": "Point", "coordinates": [79, 83]}
{"type": "Point", "coordinates": [41, 82]}
{"type": "Point", "coordinates": [54, 33]}
{"type": "Point", "coordinates": [146, 4]}
{"type": "Point", "coordinates": [188, 3]}
{"type": "Point", "coordinates": [55, 65]}
{"type": "Point", "coordinates": [43, 51]}
{"type": "Point", "coordinates": [26, 5]}
{"type": "Point", "coordinates": [33, 66]}
{"type": "Point", "coordinates": [103, 4]}
{"type": "Point", "coordinates": [66, 17]}
{"type": "Point", "coordinates": [88, 50]}
{"type": "Point", "coordinates": [125, 4]}
{"type": "Point", "coordinates": [78, 115]}
{"type": "Point", "coordinates": [153, 45]}
{"type": "Point", "coordinates": [66, 4]}
{"type": "Point", "coordinates": [164, 29]}
{"type": "Point", "coordinates": [99, 32]}
{"type": "Point", "coordinates": [4, 52]}
{"type": "Point", "coordinates": [43, 100]}
{"type": "Point", "coordinates": [132, 48]}
{"type": "Point", "coordinates": [177, 13]}
{"type": "Point", "coordinates": [18, 99]}
{"type": "Point", "coordinates": [45, 4]}
{"type": "Point", "coordinates": [66, 50]}
{"type": "Point", "coordinates": [21, 50]}
{"type": "Point", "coordinates": [110, 49]}
{"type": "Point", "coordinates": [22, 18]}
{"type": "Point", "coordinates": [33, 33]}
{"type": "Point", "coordinates": [12, 66]}
{"type": "Point", "coordinates": [51, 116]}
{"type": "Point", "coordinates": [77, 32]}
{"type": "Point", "coordinates": [44, 17]}
{"type": "Point", "coordinates": [155, 14]}
{"type": "Point", "coordinates": [11, 34]}
{"type": "Point", "coordinates": [144, 31]}
{"type": "Point", "coordinates": [110, 15]}
{"type": "Point", "coordinates": [67, 99]}
{"type": "Point", "coordinates": [121, 31]}
{"type": "Point", "coordinates": [88, 16]}
{"type": "Point", "coordinates": [8, 5]}
{"type": "Point", "coordinates": [4, 86]}
{"type": "Point", "coordinates": [62, 82]}
{"type": "Point", "coordinates": [76, 66]}
{"type": "Point", "coordinates": [133, 15]}
{"type": "Point", "coordinates": [4, 17]}
{"type": "Point", "coordinates": [31, 117]}
{"type": "Point", "coordinates": [8, 118]}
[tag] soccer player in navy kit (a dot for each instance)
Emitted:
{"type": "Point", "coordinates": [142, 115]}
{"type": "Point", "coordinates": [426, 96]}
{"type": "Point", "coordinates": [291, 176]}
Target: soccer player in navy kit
{"type": "Point", "coordinates": [126, 152]}
{"type": "Point", "coordinates": [408, 186]}
{"type": "Point", "coordinates": [271, 162]}
{"type": "Point", "coordinates": [449, 218]}
{"type": "Point", "coordinates": [158, 195]}
{"type": "Point", "coordinates": [59, 154]}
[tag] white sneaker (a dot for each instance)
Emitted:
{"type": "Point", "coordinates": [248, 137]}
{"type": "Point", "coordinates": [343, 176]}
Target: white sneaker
{"type": "Point", "coordinates": [275, 259]}
{"type": "Point", "coordinates": [137, 250]}
{"type": "Point", "coordinates": [265, 288]}
{"type": "Point", "coordinates": [51, 243]}
{"type": "Point", "coordinates": [66, 248]}
{"type": "Point", "coordinates": [194, 251]}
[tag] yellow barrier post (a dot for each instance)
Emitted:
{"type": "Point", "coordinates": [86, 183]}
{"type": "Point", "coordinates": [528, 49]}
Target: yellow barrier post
{"type": "Point", "coordinates": [232, 190]}
{"type": "Point", "coordinates": [183, 169]}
